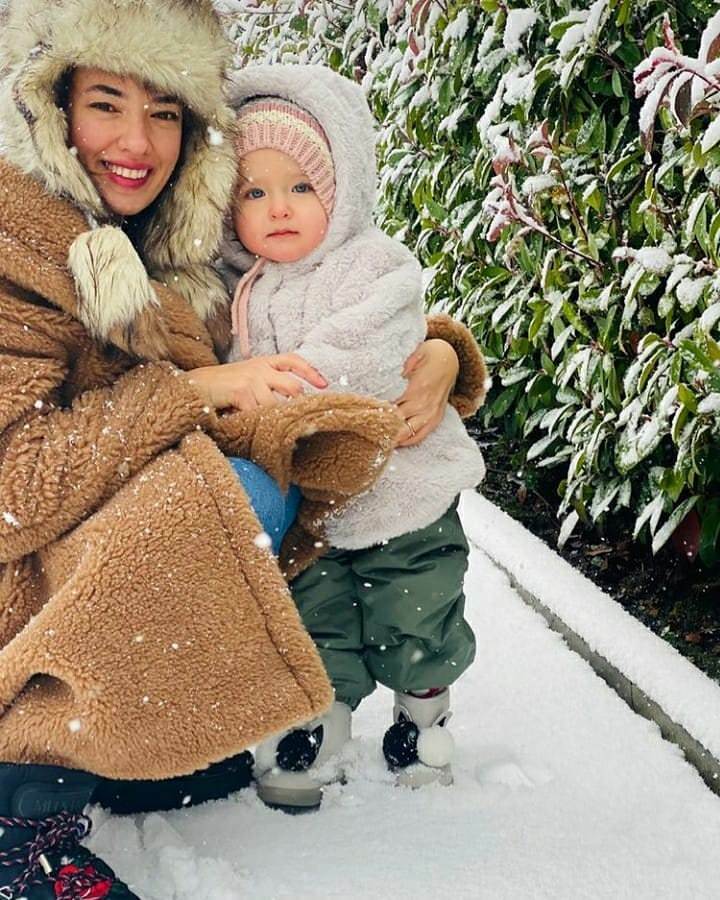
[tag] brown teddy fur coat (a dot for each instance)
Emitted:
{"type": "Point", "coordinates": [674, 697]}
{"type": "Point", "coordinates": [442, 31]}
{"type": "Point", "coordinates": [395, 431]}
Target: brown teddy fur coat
{"type": "Point", "coordinates": [144, 633]}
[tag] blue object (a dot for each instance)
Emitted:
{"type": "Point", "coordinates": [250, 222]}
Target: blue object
{"type": "Point", "coordinates": [275, 510]}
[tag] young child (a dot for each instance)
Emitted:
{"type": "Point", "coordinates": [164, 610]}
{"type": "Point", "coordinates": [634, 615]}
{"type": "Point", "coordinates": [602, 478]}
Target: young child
{"type": "Point", "coordinates": [311, 274]}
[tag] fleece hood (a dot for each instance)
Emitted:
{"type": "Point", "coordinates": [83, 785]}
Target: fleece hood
{"type": "Point", "coordinates": [340, 106]}
{"type": "Point", "coordinates": [178, 46]}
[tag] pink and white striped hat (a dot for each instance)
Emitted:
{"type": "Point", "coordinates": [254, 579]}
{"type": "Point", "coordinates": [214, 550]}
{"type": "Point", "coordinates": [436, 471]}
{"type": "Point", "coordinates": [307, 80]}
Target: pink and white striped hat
{"type": "Point", "coordinates": [276, 124]}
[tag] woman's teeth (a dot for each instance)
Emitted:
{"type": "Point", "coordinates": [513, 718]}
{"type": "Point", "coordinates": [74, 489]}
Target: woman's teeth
{"type": "Point", "coordinates": [135, 174]}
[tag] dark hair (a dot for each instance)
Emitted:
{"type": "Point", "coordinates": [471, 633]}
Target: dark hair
{"type": "Point", "coordinates": [62, 90]}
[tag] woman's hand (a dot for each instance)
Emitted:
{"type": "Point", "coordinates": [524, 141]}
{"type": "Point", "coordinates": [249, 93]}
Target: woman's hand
{"type": "Point", "coordinates": [250, 383]}
{"type": "Point", "coordinates": [431, 372]}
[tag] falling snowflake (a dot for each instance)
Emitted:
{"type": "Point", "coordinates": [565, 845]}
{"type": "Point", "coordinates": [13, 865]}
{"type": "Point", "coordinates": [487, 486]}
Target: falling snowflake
{"type": "Point", "coordinates": [215, 137]}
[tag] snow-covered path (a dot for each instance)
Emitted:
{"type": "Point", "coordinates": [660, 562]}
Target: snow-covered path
{"type": "Point", "coordinates": [560, 792]}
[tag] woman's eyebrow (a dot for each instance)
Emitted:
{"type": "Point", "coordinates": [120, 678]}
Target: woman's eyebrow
{"type": "Point", "coordinates": [105, 89]}
{"type": "Point", "coordinates": [165, 98]}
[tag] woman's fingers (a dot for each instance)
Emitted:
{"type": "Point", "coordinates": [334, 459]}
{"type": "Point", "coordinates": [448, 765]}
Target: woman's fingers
{"type": "Point", "coordinates": [287, 385]}
{"type": "Point", "coordinates": [264, 395]}
{"type": "Point", "coordinates": [242, 398]}
{"type": "Point", "coordinates": [416, 429]}
{"type": "Point", "coordinates": [291, 362]}
{"type": "Point", "coordinates": [250, 383]}
{"type": "Point", "coordinates": [417, 397]}
{"type": "Point", "coordinates": [431, 372]}
{"type": "Point", "coordinates": [412, 361]}
{"type": "Point", "coordinates": [422, 403]}
{"type": "Point", "coordinates": [406, 436]}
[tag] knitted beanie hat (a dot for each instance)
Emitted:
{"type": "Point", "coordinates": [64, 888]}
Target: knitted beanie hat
{"type": "Point", "coordinates": [271, 123]}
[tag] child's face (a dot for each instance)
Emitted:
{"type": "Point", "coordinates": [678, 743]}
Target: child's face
{"type": "Point", "coordinates": [276, 212]}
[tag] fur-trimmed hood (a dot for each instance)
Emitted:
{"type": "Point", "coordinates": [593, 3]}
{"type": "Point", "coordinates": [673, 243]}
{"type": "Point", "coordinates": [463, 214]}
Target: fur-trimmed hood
{"type": "Point", "coordinates": [339, 105]}
{"type": "Point", "coordinates": [175, 45]}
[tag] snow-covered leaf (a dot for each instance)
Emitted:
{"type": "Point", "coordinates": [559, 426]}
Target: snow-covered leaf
{"type": "Point", "coordinates": [663, 535]}
{"type": "Point", "coordinates": [568, 526]}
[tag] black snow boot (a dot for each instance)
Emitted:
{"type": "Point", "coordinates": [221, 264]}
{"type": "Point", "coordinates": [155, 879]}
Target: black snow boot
{"type": "Point", "coordinates": [41, 826]}
{"type": "Point", "coordinates": [214, 783]}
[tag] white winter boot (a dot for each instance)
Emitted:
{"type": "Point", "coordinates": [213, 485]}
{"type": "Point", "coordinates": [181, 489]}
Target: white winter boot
{"type": "Point", "coordinates": [291, 768]}
{"type": "Point", "coordinates": [418, 747]}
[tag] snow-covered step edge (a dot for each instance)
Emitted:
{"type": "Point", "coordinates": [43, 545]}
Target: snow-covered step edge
{"type": "Point", "coordinates": [650, 675]}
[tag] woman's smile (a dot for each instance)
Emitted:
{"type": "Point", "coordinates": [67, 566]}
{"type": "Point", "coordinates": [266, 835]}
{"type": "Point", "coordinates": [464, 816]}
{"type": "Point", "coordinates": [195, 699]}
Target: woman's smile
{"type": "Point", "coordinates": [128, 175]}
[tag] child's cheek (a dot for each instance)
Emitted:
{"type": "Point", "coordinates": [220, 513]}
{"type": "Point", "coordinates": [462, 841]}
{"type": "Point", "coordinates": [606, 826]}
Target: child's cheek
{"type": "Point", "coordinates": [245, 230]}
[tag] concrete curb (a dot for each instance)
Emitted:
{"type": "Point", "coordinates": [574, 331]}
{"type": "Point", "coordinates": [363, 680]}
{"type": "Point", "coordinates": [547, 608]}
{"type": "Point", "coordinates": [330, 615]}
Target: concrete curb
{"type": "Point", "coordinates": [697, 755]}
{"type": "Point", "coordinates": [653, 679]}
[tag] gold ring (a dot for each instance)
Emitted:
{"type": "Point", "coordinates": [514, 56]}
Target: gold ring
{"type": "Point", "coordinates": [409, 425]}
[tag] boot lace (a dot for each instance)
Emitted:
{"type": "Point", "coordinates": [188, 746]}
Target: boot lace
{"type": "Point", "coordinates": [63, 831]}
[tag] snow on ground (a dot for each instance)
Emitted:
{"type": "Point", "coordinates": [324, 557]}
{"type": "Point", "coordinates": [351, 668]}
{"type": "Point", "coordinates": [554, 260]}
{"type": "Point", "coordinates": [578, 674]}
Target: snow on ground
{"type": "Point", "coordinates": [560, 792]}
{"type": "Point", "coordinates": [685, 693]}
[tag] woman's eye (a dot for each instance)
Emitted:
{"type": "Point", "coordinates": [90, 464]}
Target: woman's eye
{"type": "Point", "coordinates": [303, 188]}
{"type": "Point", "coordinates": [102, 106]}
{"type": "Point", "coordinates": [167, 115]}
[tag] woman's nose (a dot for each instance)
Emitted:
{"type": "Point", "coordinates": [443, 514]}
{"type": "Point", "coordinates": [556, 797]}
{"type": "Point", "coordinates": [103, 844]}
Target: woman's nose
{"type": "Point", "coordinates": [135, 138]}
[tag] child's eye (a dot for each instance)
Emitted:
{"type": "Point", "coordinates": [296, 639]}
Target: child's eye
{"type": "Point", "coordinates": [254, 194]}
{"type": "Point", "coordinates": [303, 188]}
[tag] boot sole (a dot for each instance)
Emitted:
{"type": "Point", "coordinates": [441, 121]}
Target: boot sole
{"type": "Point", "coordinates": [293, 801]}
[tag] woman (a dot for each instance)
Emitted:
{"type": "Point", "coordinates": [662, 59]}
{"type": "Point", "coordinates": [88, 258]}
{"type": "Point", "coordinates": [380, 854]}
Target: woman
{"type": "Point", "coordinates": [146, 633]}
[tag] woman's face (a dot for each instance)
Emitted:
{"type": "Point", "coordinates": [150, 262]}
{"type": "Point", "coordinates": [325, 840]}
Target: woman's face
{"type": "Point", "coordinates": [127, 137]}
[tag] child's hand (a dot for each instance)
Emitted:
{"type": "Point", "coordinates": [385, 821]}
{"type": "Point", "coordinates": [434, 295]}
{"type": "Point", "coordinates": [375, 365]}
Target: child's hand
{"type": "Point", "coordinates": [250, 383]}
{"type": "Point", "coordinates": [431, 371]}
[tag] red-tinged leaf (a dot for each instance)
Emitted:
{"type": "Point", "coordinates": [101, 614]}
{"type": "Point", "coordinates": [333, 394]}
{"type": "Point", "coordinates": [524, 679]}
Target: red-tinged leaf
{"type": "Point", "coordinates": [710, 41]}
{"type": "Point", "coordinates": [698, 89]}
{"type": "Point", "coordinates": [419, 13]}
{"type": "Point", "coordinates": [502, 219]}
{"type": "Point", "coordinates": [648, 113]}
{"type": "Point", "coordinates": [413, 44]}
{"type": "Point", "coordinates": [541, 152]}
{"type": "Point", "coordinates": [540, 137]}
{"type": "Point", "coordinates": [669, 35]}
{"type": "Point", "coordinates": [395, 12]}
{"type": "Point", "coordinates": [686, 537]}
{"type": "Point", "coordinates": [499, 166]}
{"type": "Point", "coordinates": [679, 98]}
{"type": "Point", "coordinates": [651, 70]}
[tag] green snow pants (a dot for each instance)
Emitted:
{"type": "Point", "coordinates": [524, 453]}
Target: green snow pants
{"type": "Point", "coordinates": [392, 613]}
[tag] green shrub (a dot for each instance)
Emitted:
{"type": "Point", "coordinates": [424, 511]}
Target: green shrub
{"type": "Point", "coordinates": [582, 252]}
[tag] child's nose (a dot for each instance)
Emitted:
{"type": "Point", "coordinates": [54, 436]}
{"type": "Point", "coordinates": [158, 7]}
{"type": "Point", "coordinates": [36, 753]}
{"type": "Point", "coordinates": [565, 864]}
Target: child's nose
{"type": "Point", "coordinates": [280, 208]}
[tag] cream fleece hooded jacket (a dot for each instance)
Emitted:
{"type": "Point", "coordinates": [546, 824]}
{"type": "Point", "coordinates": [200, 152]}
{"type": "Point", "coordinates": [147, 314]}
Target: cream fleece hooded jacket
{"type": "Point", "coordinates": [354, 309]}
